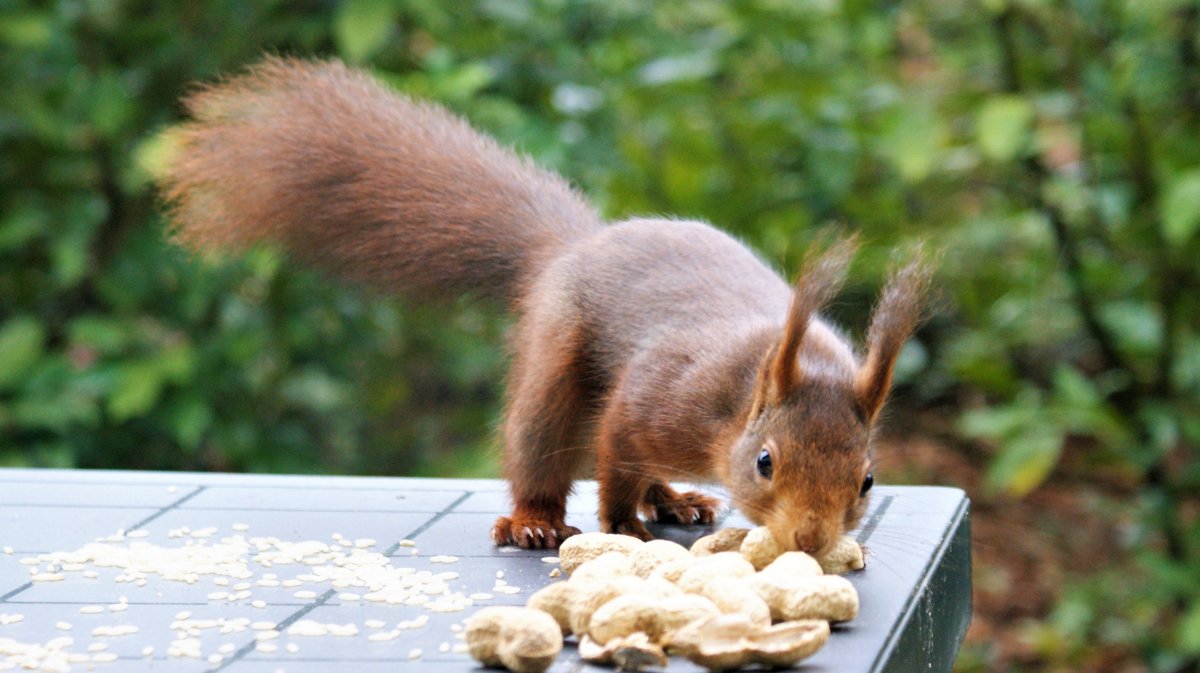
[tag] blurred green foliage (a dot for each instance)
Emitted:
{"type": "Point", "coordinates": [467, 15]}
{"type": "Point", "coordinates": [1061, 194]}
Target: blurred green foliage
{"type": "Point", "coordinates": [1050, 149]}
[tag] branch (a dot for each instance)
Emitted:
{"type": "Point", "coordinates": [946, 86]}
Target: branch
{"type": "Point", "coordinates": [1125, 400]}
{"type": "Point", "coordinates": [1187, 18]}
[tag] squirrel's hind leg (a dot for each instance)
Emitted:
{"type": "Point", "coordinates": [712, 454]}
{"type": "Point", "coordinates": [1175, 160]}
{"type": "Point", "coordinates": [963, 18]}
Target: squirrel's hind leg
{"type": "Point", "coordinates": [666, 505]}
{"type": "Point", "coordinates": [544, 446]}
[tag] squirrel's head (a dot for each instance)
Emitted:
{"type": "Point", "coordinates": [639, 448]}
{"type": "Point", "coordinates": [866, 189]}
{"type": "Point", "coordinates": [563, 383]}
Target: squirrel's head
{"type": "Point", "coordinates": [802, 466]}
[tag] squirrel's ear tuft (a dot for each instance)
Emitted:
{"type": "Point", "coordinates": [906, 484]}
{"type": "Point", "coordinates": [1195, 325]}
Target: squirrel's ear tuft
{"type": "Point", "coordinates": [820, 279]}
{"type": "Point", "coordinates": [896, 316]}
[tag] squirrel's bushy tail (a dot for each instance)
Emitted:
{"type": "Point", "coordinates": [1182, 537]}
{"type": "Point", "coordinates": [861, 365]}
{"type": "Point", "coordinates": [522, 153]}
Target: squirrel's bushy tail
{"type": "Point", "coordinates": [365, 183]}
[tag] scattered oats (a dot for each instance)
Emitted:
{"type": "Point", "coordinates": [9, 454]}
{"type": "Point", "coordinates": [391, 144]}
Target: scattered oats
{"type": "Point", "coordinates": [415, 653]}
{"type": "Point", "coordinates": [268, 583]}
{"type": "Point", "coordinates": [10, 619]}
{"type": "Point", "coordinates": [104, 657]}
{"type": "Point", "coordinates": [457, 628]}
{"type": "Point", "coordinates": [414, 552]}
{"type": "Point", "coordinates": [305, 595]}
{"type": "Point", "coordinates": [550, 559]}
{"type": "Point", "coordinates": [91, 609]}
{"type": "Point", "coordinates": [242, 586]}
{"type": "Point", "coordinates": [260, 604]}
{"type": "Point", "coordinates": [241, 527]}
{"type": "Point", "coordinates": [555, 572]}
{"type": "Point", "coordinates": [221, 581]}
{"type": "Point", "coordinates": [263, 626]}
{"type": "Point", "coordinates": [307, 627]}
{"type": "Point", "coordinates": [118, 607]}
{"type": "Point", "coordinates": [349, 596]}
{"type": "Point", "coordinates": [459, 648]}
{"type": "Point", "coordinates": [63, 626]}
{"type": "Point", "coordinates": [292, 583]}
{"type": "Point", "coordinates": [292, 647]}
{"type": "Point", "coordinates": [364, 543]}
{"type": "Point", "coordinates": [499, 574]}
{"type": "Point", "coordinates": [407, 543]}
{"type": "Point", "coordinates": [239, 596]}
{"type": "Point", "coordinates": [97, 647]}
{"type": "Point", "coordinates": [204, 532]}
{"type": "Point", "coordinates": [507, 589]}
{"type": "Point", "coordinates": [30, 561]}
{"type": "Point", "coordinates": [384, 636]}
{"type": "Point", "coordinates": [218, 595]}
{"type": "Point", "coordinates": [91, 574]}
{"type": "Point", "coordinates": [227, 648]}
{"type": "Point", "coordinates": [8, 551]}
{"type": "Point", "coordinates": [148, 651]}
{"type": "Point", "coordinates": [266, 648]}
{"type": "Point", "coordinates": [481, 596]}
{"type": "Point", "coordinates": [374, 623]}
{"type": "Point", "coordinates": [183, 615]}
{"type": "Point", "coordinates": [443, 559]}
{"type": "Point", "coordinates": [172, 489]}
{"type": "Point", "coordinates": [140, 533]}
{"type": "Point", "coordinates": [184, 647]}
{"type": "Point", "coordinates": [215, 659]}
{"type": "Point", "coordinates": [345, 543]}
{"type": "Point", "coordinates": [444, 647]}
{"type": "Point", "coordinates": [268, 635]}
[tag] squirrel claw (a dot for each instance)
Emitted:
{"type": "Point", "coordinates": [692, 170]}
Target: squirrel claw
{"type": "Point", "coordinates": [528, 534]}
{"type": "Point", "coordinates": [684, 508]}
{"type": "Point", "coordinates": [632, 528]}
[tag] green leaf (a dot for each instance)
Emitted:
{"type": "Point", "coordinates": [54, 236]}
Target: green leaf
{"type": "Point", "coordinates": [361, 27]}
{"type": "Point", "coordinates": [153, 154]}
{"type": "Point", "coordinates": [314, 389]}
{"type": "Point", "coordinates": [22, 342]}
{"type": "Point", "coordinates": [20, 225]}
{"type": "Point", "coordinates": [1075, 389]}
{"type": "Point", "coordinates": [1026, 460]}
{"type": "Point", "coordinates": [912, 140]}
{"type": "Point", "coordinates": [108, 335]}
{"type": "Point", "coordinates": [1180, 208]}
{"type": "Point", "coordinates": [112, 107]}
{"type": "Point", "coordinates": [1188, 631]}
{"type": "Point", "coordinates": [28, 30]}
{"type": "Point", "coordinates": [137, 391]}
{"type": "Point", "coordinates": [1003, 125]}
{"type": "Point", "coordinates": [189, 418]}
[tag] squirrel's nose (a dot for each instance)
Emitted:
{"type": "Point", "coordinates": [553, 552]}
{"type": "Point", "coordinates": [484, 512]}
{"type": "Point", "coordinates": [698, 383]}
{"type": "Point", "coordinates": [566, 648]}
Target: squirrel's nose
{"type": "Point", "coordinates": [809, 541]}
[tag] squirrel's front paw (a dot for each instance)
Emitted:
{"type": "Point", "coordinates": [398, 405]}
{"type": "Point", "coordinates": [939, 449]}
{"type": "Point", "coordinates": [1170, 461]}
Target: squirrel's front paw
{"type": "Point", "coordinates": [531, 533]}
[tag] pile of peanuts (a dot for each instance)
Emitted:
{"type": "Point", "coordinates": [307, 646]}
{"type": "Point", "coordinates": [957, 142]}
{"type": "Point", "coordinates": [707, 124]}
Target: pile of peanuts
{"type": "Point", "coordinates": [735, 599]}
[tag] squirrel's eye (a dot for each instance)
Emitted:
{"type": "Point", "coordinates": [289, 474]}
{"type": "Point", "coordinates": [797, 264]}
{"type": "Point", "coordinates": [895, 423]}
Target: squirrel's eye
{"type": "Point", "coordinates": [764, 464]}
{"type": "Point", "coordinates": [868, 482]}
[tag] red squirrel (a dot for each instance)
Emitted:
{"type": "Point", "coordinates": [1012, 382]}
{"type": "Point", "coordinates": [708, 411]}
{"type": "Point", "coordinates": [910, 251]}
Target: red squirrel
{"type": "Point", "coordinates": [661, 348]}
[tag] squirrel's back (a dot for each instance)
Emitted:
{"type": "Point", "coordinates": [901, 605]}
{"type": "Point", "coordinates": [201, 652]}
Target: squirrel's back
{"type": "Point", "coordinates": [366, 183]}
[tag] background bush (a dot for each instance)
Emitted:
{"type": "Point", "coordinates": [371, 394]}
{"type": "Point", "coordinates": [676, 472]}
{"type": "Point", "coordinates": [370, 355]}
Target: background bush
{"type": "Point", "coordinates": [1049, 148]}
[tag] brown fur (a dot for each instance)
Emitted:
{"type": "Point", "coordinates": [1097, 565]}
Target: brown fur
{"type": "Point", "coordinates": [664, 349]}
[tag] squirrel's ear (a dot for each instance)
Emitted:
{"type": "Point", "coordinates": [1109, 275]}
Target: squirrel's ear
{"type": "Point", "coordinates": [895, 317]}
{"type": "Point", "coordinates": [821, 277]}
